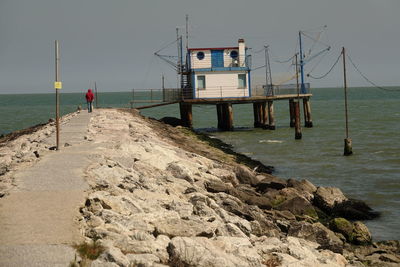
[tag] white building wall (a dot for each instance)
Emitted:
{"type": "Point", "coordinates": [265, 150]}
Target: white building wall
{"type": "Point", "coordinates": [222, 84]}
{"type": "Point", "coordinates": [200, 64]}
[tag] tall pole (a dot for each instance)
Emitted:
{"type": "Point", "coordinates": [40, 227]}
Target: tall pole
{"type": "Point", "coordinates": [268, 74]}
{"type": "Point", "coordinates": [303, 89]}
{"type": "Point", "coordinates": [57, 87]}
{"type": "Point", "coordinates": [163, 87]}
{"type": "Point", "coordinates": [179, 58]}
{"type": "Point", "coordinates": [95, 91]}
{"type": "Point", "coordinates": [296, 104]}
{"type": "Point", "coordinates": [348, 150]}
{"type": "Point", "coordinates": [187, 38]}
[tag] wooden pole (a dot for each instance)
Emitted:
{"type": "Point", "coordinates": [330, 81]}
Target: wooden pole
{"type": "Point", "coordinates": [348, 150]}
{"type": "Point", "coordinates": [95, 91]}
{"type": "Point", "coordinates": [186, 114]}
{"type": "Point", "coordinates": [297, 123]}
{"type": "Point", "coordinates": [291, 113]}
{"type": "Point", "coordinates": [219, 115]}
{"type": "Point", "coordinates": [257, 117]}
{"type": "Point", "coordinates": [271, 115]}
{"type": "Point", "coordinates": [264, 112]}
{"type": "Point", "coordinates": [57, 78]}
{"type": "Point", "coordinates": [296, 104]}
{"type": "Point", "coordinates": [163, 87]}
{"type": "Point", "coordinates": [307, 113]}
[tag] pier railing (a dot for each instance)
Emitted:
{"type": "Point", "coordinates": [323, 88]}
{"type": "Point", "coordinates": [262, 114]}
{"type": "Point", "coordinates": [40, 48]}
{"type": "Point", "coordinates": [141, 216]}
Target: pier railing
{"type": "Point", "coordinates": [168, 95]}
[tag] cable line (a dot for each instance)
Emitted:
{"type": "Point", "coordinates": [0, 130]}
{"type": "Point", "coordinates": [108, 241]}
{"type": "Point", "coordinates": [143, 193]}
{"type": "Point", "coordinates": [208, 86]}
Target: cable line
{"type": "Point", "coordinates": [326, 74]}
{"type": "Point", "coordinates": [368, 80]}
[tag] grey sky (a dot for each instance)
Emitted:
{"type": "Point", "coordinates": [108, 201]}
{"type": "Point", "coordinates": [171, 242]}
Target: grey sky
{"type": "Point", "coordinates": [112, 42]}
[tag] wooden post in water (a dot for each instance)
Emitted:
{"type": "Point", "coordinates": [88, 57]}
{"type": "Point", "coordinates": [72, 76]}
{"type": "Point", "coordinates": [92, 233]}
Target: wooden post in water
{"type": "Point", "coordinates": [307, 113]}
{"type": "Point", "coordinates": [57, 87]}
{"type": "Point", "coordinates": [264, 112]}
{"type": "Point", "coordinates": [163, 88]}
{"type": "Point", "coordinates": [297, 122]}
{"type": "Point", "coordinates": [348, 149]}
{"type": "Point", "coordinates": [271, 115]}
{"type": "Point", "coordinates": [186, 114]}
{"type": "Point", "coordinates": [257, 115]}
{"type": "Point", "coordinates": [296, 104]}
{"type": "Point", "coordinates": [291, 113]}
{"type": "Point", "coordinates": [219, 115]}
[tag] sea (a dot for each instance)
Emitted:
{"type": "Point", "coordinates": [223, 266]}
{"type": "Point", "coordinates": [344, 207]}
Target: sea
{"type": "Point", "coordinates": [371, 174]}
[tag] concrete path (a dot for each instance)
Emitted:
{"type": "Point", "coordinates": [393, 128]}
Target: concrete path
{"type": "Point", "coordinates": [38, 219]}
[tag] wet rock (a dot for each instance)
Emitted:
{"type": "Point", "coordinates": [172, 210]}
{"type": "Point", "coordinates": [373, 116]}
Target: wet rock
{"type": "Point", "coordinates": [172, 121]}
{"type": "Point", "coordinates": [355, 210]}
{"type": "Point", "coordinates": [326, 198]}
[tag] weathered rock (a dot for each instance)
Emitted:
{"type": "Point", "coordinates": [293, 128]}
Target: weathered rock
{"type": "Point", "coordinates": [361, 234]}
{"type": "Point", "coordinates": [142, 259]}
{"type": "Point", "coordinates": [326, 198]}
{"type": "Point", "coordinates": [174, 227]}
{"type": "Point", "coordinates": [245, 175]}
{"type": "Point", "coordinates": [343, 226]}
{"type": "Point", "coordinates": [270, 182]}
{"type": "Point", "coordinates": [317, 233]}
{"type": "Point", "coordinates": [115, 255]}
{"type": "Point", "coordinates": [298, 206]}
{"type": "Point", "coordinates": [199, 251]}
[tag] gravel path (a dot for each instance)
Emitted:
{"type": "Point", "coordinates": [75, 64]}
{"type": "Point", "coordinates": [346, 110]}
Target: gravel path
{"type": "Point", "coordinates": [38, 218]}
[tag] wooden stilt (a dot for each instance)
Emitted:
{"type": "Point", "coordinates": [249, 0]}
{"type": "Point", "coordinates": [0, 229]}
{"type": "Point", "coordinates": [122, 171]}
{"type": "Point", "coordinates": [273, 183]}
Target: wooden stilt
{"type": "Point", "coordinates": [297, 125]}
{"type": "Point", "coordinates": [307, 113]}
{"type": "Point", "coordinates": [291, 113]}
{"type": "Point", "coordinates": [226, 117]}
{"type": "Point", "coordinates": [257, 117]}
{"type": "Point", "coordinates": [271, 115]}
{"type": "Point", "coordinates": [348, 149]}
{"type": "Point", "coordinates": [264, 112]}
{"type": "Point", "coordinates": [219, 116]}
{"type": "Point", "coordinates": [186, 114]}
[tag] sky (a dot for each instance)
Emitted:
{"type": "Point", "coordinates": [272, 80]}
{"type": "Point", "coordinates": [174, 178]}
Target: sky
{"type": "Point", "coordinates": [113, 42]}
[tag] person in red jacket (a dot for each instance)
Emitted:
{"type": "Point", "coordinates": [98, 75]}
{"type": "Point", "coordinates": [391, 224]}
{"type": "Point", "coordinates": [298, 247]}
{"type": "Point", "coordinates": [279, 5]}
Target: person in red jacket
{"type": "Point", "coordinates": [89, 100]}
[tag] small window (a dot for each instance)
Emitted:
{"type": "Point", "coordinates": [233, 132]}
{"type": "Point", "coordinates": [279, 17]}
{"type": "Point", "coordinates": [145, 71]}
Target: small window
{"type": "Point", "coordinates": [200, 55]}
{"type": "Point", "coordinates": [242, 81]}
{"type": "Point", "coordinates": [234, 54]}
{"type": "Point", "coordinates": [201, 82]}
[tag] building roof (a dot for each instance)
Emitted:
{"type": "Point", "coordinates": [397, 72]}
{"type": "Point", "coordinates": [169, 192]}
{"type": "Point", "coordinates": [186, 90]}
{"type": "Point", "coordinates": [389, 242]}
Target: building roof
{"type": "Point", "coordinates": [213, 48]}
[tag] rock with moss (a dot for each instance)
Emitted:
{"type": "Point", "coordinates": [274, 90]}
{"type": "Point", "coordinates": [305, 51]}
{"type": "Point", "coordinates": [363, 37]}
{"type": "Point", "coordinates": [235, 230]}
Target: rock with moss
{"type": "Point", "coordinates": [361, 234]}
{"type": "Point", "coordinates": [343, 226]}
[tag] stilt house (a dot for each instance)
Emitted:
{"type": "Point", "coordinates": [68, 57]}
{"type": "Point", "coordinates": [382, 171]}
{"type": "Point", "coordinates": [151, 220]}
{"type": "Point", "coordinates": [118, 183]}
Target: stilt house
{"type": "Point", "coordinates": [220, 72]}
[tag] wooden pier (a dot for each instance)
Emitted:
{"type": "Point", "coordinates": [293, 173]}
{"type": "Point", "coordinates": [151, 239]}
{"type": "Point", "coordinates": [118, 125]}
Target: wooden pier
{"type": "Point", "coordinates": [263, 109]}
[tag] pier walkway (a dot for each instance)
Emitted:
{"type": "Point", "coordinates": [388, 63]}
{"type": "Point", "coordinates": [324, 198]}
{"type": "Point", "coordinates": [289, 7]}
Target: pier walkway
{"type": "Point", "coordinates": [38, 219]}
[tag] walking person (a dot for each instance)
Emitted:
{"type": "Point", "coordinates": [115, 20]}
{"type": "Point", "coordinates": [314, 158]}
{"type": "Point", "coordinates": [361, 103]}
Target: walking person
{"type": "Point", "coordinates": [89, 100]}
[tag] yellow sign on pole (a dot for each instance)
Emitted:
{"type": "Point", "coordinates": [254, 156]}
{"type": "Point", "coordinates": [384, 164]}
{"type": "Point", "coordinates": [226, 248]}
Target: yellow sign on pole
{"type": "Point", "coordinates": [58, 85]}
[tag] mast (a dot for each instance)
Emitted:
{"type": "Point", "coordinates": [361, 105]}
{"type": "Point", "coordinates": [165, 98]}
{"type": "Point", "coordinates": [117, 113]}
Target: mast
{"type": "Point", "coordinates": [303, 89]}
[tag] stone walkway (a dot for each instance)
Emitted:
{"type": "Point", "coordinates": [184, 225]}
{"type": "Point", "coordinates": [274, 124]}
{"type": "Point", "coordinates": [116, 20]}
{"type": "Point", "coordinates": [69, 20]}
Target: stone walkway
{"type": "Point", "coordinates": [38, 219]}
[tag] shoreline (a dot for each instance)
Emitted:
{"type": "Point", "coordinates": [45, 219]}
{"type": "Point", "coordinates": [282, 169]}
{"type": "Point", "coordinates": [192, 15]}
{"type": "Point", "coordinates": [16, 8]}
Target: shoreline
{"type": "Point", "coordinates": [160, 193]}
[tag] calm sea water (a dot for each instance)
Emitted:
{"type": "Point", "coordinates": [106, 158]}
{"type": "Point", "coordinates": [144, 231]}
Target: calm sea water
{"type": "Point", "coordinates": [371, 174]}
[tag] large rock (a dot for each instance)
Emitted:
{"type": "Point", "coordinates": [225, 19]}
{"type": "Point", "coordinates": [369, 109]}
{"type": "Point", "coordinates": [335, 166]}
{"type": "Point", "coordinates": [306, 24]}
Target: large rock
{"type": "Point", "coordinates": [343, 226]}
{"type": "Point", "coordinates": [179, 227]}
{"type": "Point", "coordinates": [361, 234]}
{"type": "Point", "coordinates": [317, 233]}
{"type": "Point", "coordinates": [354, 210]}
{"type": "Point", "coordinates": [326, 198]}
{"type": "Point", "coordinates": [270, 182]}
{"type": "Point", "coordinates": [299, 206]}
{"type": "Point", "coordinates": [200, 251]}
{"type": "Point", "coordinates": [245, 175]}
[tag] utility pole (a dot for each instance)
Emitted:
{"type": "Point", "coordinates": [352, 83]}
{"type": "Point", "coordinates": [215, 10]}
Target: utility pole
{"type": "Point", "coordinates": [348, 150]}
{"type": "Point", "coordinates": [57, 86]}
{"type": "Point", "coordinates": [95, 91]}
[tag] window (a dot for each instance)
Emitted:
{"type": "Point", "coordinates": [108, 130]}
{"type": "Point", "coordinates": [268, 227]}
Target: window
{"type": "Point", "coordinates": [201, 82]}
{"type": "Point", "coordinates": [200, 55]}
{"type": "Point", "coordinates": [242, 81]}
{"type": "Point", "coordinates": [234, 54]}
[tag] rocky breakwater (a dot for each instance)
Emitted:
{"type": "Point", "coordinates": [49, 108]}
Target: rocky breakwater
{"type": "Point", "coordinates": [23, 148]}
{"type": "Point", "coordinates": [160, 196]}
